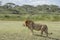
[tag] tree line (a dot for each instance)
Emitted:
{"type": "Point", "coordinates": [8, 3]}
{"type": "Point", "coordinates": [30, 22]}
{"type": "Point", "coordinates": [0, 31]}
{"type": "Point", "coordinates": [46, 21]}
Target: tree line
{"type": "Point", "coordinates": [11, 8]}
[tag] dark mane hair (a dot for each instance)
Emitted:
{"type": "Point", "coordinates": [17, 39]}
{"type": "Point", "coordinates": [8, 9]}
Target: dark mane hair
{"type": "Point", "coordinates": [28, 22]}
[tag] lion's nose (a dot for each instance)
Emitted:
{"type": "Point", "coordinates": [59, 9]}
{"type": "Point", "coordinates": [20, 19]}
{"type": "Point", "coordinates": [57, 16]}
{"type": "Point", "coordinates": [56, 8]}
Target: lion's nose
{"type": "Point", "coordinates": [23, 24]}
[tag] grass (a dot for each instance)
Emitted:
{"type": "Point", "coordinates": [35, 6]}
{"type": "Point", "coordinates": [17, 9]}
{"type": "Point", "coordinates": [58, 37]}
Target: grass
{"type": "Point", "coordinates": [18, 17]}
{"type": "Point", "coordinates": [14, 30]}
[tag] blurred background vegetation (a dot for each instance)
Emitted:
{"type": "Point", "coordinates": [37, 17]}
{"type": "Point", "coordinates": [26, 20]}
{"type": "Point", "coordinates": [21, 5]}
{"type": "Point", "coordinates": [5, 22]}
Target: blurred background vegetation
{"type": "Point", "coordinates": [13, 12]}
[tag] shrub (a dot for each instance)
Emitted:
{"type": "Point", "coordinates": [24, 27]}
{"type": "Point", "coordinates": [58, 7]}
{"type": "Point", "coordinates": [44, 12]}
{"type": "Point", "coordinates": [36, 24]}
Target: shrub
{"type": "Point", "coordinates": [7, 16]}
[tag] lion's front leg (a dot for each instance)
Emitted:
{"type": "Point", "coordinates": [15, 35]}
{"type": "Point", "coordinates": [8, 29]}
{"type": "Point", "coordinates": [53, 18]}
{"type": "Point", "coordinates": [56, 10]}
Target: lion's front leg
{"type": "Point", "coordinates": [32, 30]}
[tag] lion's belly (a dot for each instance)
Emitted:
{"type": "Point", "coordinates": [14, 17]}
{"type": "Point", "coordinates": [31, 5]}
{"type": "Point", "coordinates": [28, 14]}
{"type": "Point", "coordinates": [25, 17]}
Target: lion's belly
{"type": "Point", "coordinates": [37, 27]}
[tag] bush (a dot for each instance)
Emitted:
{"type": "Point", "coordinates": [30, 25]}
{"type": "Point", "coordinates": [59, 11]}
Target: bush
{"type": "Point", "coordinates": [7, 16]}
{"type": "Point", "coordinates": [32, 17]}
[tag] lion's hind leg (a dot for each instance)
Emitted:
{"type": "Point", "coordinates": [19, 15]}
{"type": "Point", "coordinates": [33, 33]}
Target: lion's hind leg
{"type": "Point", "coordinates": [46, 32]}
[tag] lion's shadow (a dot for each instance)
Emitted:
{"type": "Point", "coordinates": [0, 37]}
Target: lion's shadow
{"type": "Point", "coordinates": [47, 37]}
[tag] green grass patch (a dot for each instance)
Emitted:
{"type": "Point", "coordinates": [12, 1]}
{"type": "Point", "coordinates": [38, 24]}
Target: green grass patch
{"type": "Point", "coordinates": [42, 17]}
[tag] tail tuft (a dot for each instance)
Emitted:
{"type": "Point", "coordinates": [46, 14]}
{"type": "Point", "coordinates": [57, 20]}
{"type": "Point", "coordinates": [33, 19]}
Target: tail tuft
{"type": "Point", "coordinates": [50, 33]}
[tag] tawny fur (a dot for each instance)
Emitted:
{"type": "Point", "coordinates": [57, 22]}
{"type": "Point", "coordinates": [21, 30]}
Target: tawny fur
{"type": "Point", "coordinates": [34, 26]}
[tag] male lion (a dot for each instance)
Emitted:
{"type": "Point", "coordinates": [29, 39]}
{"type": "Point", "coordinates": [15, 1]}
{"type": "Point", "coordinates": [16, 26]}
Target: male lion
{"type": "Point", "coordinates": [34, 26]}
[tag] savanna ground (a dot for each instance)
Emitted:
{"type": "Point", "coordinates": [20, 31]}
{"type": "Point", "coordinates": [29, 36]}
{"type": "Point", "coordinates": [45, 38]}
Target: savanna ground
{"type": "Point", "coordinates": [14, 30]}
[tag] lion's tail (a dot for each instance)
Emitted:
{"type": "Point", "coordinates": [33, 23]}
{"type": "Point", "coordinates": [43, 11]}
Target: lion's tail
{"type": "Point", "coordinates": [50, 33]}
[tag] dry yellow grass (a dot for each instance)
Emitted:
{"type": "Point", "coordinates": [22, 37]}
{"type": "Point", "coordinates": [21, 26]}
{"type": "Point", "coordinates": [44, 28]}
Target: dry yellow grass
{"type": "Point", "coordinates": [14, 30]}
